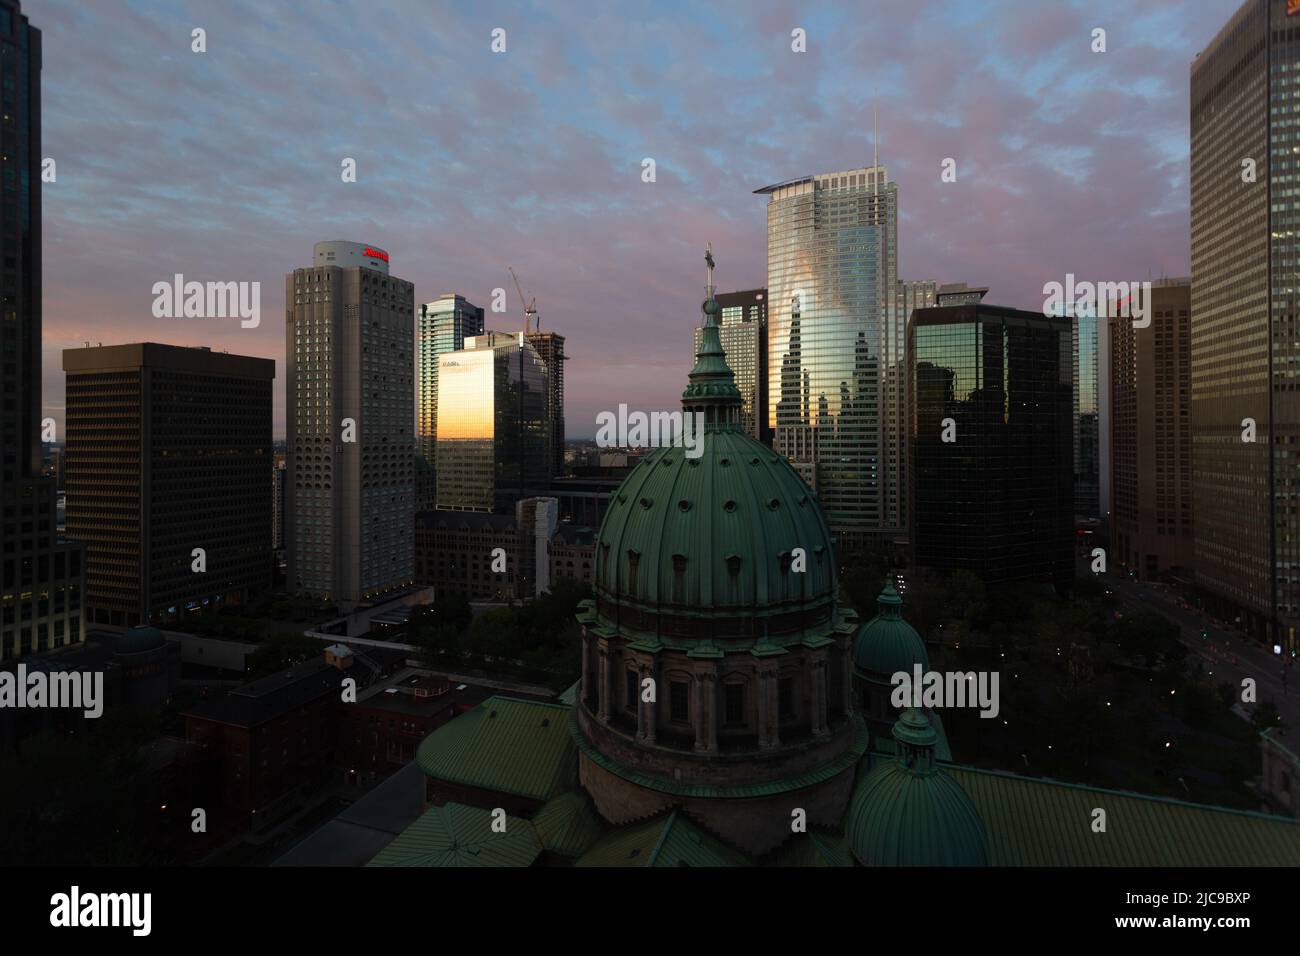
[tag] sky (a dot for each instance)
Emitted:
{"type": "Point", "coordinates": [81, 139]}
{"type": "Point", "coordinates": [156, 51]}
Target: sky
{"type": "Point", "coordinates": [226, 165]}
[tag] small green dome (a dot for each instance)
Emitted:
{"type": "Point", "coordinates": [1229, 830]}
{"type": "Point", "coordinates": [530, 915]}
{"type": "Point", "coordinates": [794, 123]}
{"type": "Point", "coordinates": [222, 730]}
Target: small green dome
{"type": "Point", "coordinates": [888, 644]}
{"type": "Point", "coordinates": [909, 812]}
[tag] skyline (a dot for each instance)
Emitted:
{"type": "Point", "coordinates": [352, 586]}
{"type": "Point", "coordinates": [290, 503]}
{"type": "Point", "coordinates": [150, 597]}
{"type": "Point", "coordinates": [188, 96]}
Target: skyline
{"type": "Point", "coordinates": [1043, 131]}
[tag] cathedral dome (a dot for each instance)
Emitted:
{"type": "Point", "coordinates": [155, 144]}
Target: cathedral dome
{"type": "Point", "coordinates": [909, 812]}
{"type": "Point", "coordinates": [887, 644]}
{"type": "Point", "coordinates": [716, 665]}
{"type": "Point", "coordinates": [734, 532]}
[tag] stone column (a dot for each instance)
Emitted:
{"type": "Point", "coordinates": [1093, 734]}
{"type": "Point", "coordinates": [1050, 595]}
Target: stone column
{"type": "Point", "coordinates": [647, 711]}
{"type": "Point", "coordinates": [603, 678]}
{"type": "Point", "coordinates": [768, 736]}
{"type": "Point", "coordinates": [704, 718]}
{"type": "Point", "coordinates": [850, 698]}
{"type": "Point", "coordinates": [819, 714]}
{"type": "Point", "coordinates": [586, 687]}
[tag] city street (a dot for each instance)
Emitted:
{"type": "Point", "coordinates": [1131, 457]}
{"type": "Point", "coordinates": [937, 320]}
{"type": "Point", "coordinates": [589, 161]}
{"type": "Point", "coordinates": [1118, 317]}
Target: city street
{"type": "Point", "coordinates": [1227, 654]}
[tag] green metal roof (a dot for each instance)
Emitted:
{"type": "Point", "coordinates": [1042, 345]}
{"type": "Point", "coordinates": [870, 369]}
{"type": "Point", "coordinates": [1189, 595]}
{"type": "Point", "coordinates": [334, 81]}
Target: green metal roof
{"type": "Point", "coordinates": [909, 811]}
{"type": "Point", "coordinates": [520, 747]}
{"type": "Point", "coordinates": [888, 644]}
{"type": "Point", "coordinates": [813, 848]}
{"type": "Point", "coordinates": [568, 825]}
{"type": "Point", "coordinates": [1035, 822]}
{"type": "Point", "coordinates": [457, 835]}
{"type": "Point", "coordinates": [786, 784]}
{"type": "Point", "coordinates": [671, 840]}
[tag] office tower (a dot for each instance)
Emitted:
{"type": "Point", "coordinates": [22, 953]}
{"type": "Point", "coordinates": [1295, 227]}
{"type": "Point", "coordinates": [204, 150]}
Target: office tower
{"type": "Point", "coordinates": [40, 575]}
{"type": "Point", "coordinates": [835, 347]}
{"type": "Point", "coordinates": [743, 331]}
{"type": "Point", "coordinates": [1086, 339]}
{"type": "Point", "coordinates": [989, 403]}
{"type": "Point", "coordinates": [1245, 352]}
{"type": "Point", "coordinates": [1151, 435]}
{"type": "Point", "coordinates": [441, 327]}
{"type": "Point", "coordinates": [169, 450]}
{"type": "Point", "coordinates": [350, 492]}
{"type": "Point", "coordinates": [959, 293]}
{"type": "Point", "coordinates": [536, 519]}
{"type": "Point", "coordinates": [550, 347]}
{"type": "Point", "coordinates": [279, 470]}
{"type": "Point", "coordinates": [493, 435]}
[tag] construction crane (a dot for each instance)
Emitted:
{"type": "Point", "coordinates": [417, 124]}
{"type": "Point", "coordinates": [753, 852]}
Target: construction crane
{"type": "Point", "coordinates": [530, 305]}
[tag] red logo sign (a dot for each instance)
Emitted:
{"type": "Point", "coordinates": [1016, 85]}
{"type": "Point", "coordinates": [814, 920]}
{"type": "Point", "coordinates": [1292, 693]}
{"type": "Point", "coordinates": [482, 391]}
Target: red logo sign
{"type": "Point", "coordinates": [380, 254]}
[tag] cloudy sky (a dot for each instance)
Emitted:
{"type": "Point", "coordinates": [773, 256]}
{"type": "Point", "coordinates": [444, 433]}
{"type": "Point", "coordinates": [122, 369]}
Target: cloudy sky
{"type": "Point", "coordinates": [225, 165]}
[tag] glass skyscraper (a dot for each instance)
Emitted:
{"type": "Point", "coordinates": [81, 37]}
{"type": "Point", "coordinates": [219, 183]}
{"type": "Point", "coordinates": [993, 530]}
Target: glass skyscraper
{"type": "Point", "coordinates": [836, 347]}
{"type": "Point", "coordinates": [1245, 351]}
{"type": "Point", "coordinates": [990, 400]}
{"type": "Point", "coordinates": [40, 575]}
{"type": "Point", "coordinates": [441, 327]}
{"type": "Point", "coordinates": [494, 439]}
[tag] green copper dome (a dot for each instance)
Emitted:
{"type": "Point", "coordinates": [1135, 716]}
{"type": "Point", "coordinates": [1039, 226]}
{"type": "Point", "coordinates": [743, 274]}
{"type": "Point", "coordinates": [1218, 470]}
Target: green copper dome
{"type": "Point", "coordinates": [732, 532]}
{"type": "Point", "coordinates": [909, 812]}
{"type": "Point", "coordinates": [888, 644]}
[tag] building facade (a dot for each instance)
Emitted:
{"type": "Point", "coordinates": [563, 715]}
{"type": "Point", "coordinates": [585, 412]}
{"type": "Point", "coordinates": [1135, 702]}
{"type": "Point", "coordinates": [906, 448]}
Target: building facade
{"type": "Point", "coordinates": [990, 399]}
{"type": "Point", "coordinates": [550, 348]}
{"type": "Point", "coordinates": [456, 552]}
{"type": "Point", "coordinates": [350, 492]}
{"type": "Point", "coordinates": [442, 326]}
{"type": "Point", "coordinates": [1151, 435]}
{"type": "Point", "coordinates": [1245, 357]}
{"type": "Point", "coordinates": [40, 574]}
{"type": "Point", "coordinates": [494, 442]}
{"type": "Point", "coordinates": [168, 451]}
{"type": "Point", "coordinates": [743, 331]}
{"type": "Point", "coordinates": [835, 347]}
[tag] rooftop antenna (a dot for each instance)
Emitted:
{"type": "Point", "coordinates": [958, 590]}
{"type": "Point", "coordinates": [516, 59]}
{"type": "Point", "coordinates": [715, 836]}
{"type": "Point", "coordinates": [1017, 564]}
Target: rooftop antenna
{"type": "Point", "coordinates": [875, 151]}
{"type": "Point", "coordinates": [708, 258]}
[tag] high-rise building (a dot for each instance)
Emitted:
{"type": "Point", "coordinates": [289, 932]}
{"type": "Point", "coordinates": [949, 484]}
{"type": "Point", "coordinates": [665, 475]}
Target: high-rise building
{"type": "Point", "coordinates": [494, 443]}
{"type": "Point", "coordinates": [743, 331]}
{"type": "Point", "coordinates": [441, 327]}
{"type": "Point", "coordinates": [1087, 339]}
{"type": "Point", "coordinates": [1151, 435]}
{"type": "Point", "coordinates": [990, 398]}
{"type": "Point", "coordinates": [279, 471]}
{"type": "Point", "coordinates": [835, 346]}
{"type": "Point", "coordinates": [169, 470]}
{"type": "Point", "coordinates": [40, 575]}
{"type": "Point", "coordinates": [550, 347]}
{"type": "Point", "coordinates": [1245, 406]}
{"type": "Point", "coordinates": [350, 492]}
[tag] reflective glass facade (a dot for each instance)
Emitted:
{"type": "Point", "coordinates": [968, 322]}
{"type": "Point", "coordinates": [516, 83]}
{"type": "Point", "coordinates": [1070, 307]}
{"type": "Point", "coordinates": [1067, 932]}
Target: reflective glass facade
{"type": "Point", "coordinates": [835, 345]}
{"type": "Point", "coordinates": [493, 433]}
{"type": "Point", "coordinates": [40, 575]}
{"type": "Point", "coordinates": [998, 500]}
{"type": "Point", "coordinates": [1245, 338]}
{"type": "Point", "coordinates": [441, 327]}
